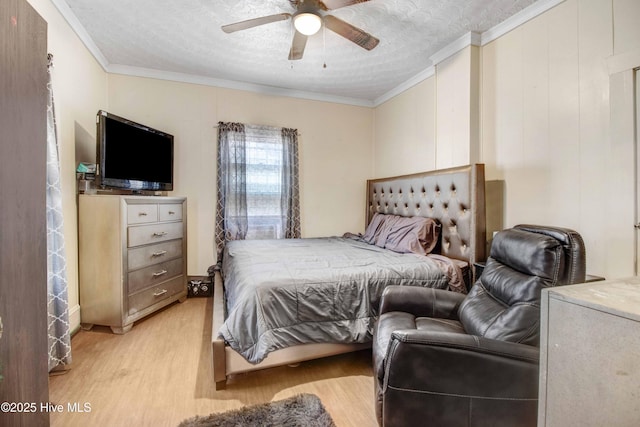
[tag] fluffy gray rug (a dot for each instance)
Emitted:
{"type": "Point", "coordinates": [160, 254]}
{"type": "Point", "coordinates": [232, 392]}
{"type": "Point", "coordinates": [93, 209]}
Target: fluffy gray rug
{"type": "Point", "coordinates": [303, 410]}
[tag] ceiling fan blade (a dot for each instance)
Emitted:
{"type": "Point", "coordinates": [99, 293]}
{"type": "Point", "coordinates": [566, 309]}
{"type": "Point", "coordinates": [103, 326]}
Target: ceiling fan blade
{"type": "Point", "coordinates": [349, 32]}
{"type": "Point", "coordinates": [250, 23]}
{"type": "Point", "coordinates": [297, 46]}
{"type": "Point", "coordinates": [337, 4]}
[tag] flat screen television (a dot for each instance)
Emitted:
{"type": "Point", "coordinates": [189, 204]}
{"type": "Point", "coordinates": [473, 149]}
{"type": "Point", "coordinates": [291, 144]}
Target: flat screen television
{"type": "Point", "coordinates": [132, 156]}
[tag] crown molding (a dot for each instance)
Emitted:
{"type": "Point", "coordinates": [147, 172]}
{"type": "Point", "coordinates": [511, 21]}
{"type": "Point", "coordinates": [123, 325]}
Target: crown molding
{"type": "Point", "coordinates": [408, 84]}
{"type": "Point", "coordinates": [81, 32]}
{"type": "Point", "coordinates": [473, 39]}
{"type": "Point", "coordinates": [520, 18]}
{"type": "Point", "coordinates": [86, 39]}
{"type": "Point", "coordinates": [469, 39]}
{"type": "Point", "coordinates": [231, 84]}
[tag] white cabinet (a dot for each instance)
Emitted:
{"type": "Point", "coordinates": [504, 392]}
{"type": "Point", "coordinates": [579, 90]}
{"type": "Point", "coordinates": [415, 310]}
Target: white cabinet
{"type": "Point", "coordinates": [590, 355]}
{"type": "Point", "coordinates": [132, 257]}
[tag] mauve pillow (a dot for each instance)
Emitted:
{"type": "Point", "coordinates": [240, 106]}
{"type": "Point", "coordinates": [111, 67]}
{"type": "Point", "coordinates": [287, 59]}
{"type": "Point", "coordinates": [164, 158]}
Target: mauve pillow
{"type": "Point", "coordinates": [416, 235]}
{"type": "Point", "coordinates": [373, 229]}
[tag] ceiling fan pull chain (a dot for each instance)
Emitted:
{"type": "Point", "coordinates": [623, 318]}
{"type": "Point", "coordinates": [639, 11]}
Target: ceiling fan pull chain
{"type": "Point", "coordinates": [292, 32]}
{"type": "Point", "coordinates": [324, 45]}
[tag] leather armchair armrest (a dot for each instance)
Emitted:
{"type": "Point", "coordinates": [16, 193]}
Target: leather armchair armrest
{"type": "Point", "coordinates": [421, 301]}
{"type": "Point", "coordinates": [468, 343]}
{"type": "Point", "coordinates": [460, 376]}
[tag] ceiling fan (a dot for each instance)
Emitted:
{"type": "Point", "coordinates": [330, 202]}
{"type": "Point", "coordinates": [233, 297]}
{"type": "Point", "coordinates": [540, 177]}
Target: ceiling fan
{"type": "Point", "coordinates": [308, 18]}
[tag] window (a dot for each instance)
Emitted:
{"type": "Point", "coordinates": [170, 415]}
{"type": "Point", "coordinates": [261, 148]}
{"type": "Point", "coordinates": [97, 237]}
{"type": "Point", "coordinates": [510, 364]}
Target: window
{"type": "Point", "coordinates": [264, 184]}
{"type": "Point", "coordinates": [257, 183]}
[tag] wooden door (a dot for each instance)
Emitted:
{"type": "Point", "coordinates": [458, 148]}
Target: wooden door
{"type": "Point", "coordinates": [23, 252]}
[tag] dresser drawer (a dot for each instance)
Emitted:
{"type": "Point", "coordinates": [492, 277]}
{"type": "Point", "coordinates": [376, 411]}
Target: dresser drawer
{"type": "Point", "coordinates": [154, 274]}
{"type": "Point", "coordinates": [142, 214]}
{"type": "Point", "coordinates": [153, 233]}
{"type": "Point", "coordinates": [154, 294]}
{"type": "Point", "coordinates": [145, 256]}
{"type": "Point", "coordinates": [170, 212]}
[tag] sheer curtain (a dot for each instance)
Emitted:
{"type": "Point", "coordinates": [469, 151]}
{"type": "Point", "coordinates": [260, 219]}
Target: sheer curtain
{"type": "Point", "coordinates": [258, 190]}
{"type": "Point", "coordinates": [57, 301]}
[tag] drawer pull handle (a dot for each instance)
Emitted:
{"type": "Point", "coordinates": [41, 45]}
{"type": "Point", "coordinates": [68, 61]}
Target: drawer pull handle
{"type": "Point", "coordinates": [160, 273]}
{"type": "Point", "coordinates": [162, 292]}
{"type": "Point", "coordinates": [160, 234]}
{"type": "Point", "coordinates": [142, 214]}
{"type": "Point", "coordinates": [172, 213]}
{"type": "Point", "coordinates": [160, 253]}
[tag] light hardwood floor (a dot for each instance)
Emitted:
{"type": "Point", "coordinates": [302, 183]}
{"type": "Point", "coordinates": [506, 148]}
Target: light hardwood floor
{"type": "Point", "coordinates": [160, 374]}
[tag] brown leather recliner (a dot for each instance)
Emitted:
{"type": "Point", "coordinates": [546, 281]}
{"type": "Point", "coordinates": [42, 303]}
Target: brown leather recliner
{"type": "Point", "coordinates": [445, 359]}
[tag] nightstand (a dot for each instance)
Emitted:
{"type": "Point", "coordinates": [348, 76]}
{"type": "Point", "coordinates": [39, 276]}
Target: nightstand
{"type": "Point", "coordinates": [478, 268]}
{"type": "Point", "coordinates": [589, 364]}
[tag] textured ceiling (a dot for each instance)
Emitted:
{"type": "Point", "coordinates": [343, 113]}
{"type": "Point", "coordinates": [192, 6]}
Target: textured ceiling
{"type": "Point", "coordinates": [185, 37]}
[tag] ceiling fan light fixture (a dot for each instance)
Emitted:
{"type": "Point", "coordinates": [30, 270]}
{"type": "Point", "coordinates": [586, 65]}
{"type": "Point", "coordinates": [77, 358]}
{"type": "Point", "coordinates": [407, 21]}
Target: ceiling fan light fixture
{"type": "Point", "coordinates": [307, 23]}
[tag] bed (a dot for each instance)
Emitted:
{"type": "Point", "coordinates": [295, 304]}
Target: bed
{"type": "Point", "coordinates": [305, 275]}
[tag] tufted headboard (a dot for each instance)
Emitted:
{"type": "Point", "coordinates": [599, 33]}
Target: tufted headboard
{"type": "Point", "coordinates": [454, 197]}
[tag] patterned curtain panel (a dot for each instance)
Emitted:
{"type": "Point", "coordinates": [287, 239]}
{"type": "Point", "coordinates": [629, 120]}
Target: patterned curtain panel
{"type": "Point", "coordinates": [258, 191]}
{"type": "Point", "coordinates": [290, 196]}
{"type": "Point", "coordinates": [57, 301]}
{"type": "Point", "coordinates": [231, 215]}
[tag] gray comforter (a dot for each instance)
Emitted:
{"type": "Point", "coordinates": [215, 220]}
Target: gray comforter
{"type": "Point", "coordinates": [286, 292]}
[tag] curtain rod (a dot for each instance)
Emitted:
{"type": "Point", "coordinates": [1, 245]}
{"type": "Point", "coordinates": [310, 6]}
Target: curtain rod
{"type": "Point", "coordinates": [275, 127]}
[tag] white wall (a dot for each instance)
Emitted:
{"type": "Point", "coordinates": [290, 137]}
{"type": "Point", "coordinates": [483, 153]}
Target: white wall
{"type": "Point", "coordinates": [545, 126]}
{"type": "Point", "coordinates": [457, 92]}
{"type": "Point", "coordinates": [405, 132]}
{"type": "Point", "coordinates": [433, 125]}
{"type": "Point", "coordinates": [335, 151]}
{"type": "Point", "coordinates": [80, 89]}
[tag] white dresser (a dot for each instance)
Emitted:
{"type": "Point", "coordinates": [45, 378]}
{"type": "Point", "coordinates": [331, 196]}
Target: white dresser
{"type": "Point", "coordinates": [132, 257]}
{"type": "Point", "coordinates": [590, 355]}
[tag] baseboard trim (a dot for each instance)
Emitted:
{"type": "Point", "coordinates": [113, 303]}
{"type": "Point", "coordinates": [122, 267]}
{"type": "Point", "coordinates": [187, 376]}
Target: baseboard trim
{"type": "Point", "coordinates": [74, 319]}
